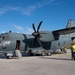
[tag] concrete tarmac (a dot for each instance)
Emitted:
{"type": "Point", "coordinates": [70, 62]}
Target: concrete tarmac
{"type": "Point", "coordinates": [59, 64]}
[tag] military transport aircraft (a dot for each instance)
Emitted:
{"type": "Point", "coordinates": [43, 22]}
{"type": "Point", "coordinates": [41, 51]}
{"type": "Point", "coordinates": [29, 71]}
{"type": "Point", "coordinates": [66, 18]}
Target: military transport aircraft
{"type": "Point", "coordinates": [39, 42]}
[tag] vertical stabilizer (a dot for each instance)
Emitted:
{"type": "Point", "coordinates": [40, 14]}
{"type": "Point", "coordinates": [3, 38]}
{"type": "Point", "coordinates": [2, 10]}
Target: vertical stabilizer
{"type": "Point", "coordinates": [70, 23]}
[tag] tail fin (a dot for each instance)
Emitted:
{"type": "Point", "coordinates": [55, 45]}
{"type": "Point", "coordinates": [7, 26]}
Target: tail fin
{"type": "Point", "coordinates": [70, 23]}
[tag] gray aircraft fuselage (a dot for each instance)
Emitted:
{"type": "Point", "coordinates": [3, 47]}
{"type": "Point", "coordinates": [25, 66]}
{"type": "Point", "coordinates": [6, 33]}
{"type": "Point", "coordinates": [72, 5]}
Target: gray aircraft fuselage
{"type": "Point", "coordinates": [9, 42]}
{"type": "Point", "coordinates": [39, 41]}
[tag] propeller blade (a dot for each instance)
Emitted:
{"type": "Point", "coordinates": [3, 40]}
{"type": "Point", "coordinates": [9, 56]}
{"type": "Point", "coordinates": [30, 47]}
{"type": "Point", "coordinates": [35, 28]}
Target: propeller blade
{"type": "Point", "coordinates": [36, 34]}
{"type": "Point", "coordinates": [39, 26]}
{"type": "Point", "coordinates": [33, 27]}
{"type": "Point", "coordinates": [39, 41]}
{"type": "Point", "coordinates": [34, 41]}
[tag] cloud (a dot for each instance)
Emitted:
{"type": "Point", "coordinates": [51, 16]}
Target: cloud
{"type": "Point", "coordinates": [26, 10]}
{"type": "Point", "coordinates": [7, 9]}
{"type": "Point", "coordinates": [35, 6]}
{"type": "Point", "coordinates": [29, 9]}
{"type": "Point", "coordinates": [18, 27]}
{"type": "Point", "coordinates": [2, 11]}
{"type": "Point", "coordinates": [29, 30]}
{"type": "Point", "coordinates": [44, 2]}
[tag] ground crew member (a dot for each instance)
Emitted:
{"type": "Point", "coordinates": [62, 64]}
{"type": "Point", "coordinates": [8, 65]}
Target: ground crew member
{"type": "Point", "coordinates": [17, 52]}
{"type": "Point", "coordinates": [73, 51]}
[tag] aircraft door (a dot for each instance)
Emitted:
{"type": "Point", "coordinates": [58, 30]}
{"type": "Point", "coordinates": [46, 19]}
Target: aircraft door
{"type": "Point", "coordinates": [18, 42]}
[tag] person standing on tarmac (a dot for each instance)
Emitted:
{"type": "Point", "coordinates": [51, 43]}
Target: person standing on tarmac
{"type": "Point", "coordinates": [17, 52]}
{"type": "Point", "coordinates": [73, 51]}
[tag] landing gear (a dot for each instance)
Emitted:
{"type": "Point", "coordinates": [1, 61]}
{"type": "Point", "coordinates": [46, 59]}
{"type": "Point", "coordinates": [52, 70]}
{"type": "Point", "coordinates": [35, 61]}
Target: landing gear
{"type": "Point", "coordinates": [43, 54]}
{"type": "Point", "coordinates": [30, 53]}
{"type": "Point", "coordinates": [48, 54]}
{"type": "Point", "coordinates": [8, 55]}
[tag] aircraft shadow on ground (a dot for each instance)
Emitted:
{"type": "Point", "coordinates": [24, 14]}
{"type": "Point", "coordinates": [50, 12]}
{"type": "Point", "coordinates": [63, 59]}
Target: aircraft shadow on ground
{"type": "Point", "coordinates": [14, 57]}
{"type": "Point", "coordinates": [2, 57]}
{"type": "Point", "coordinates": [42, 57]}
{"type": "Point", "coordinates": [67, 59]}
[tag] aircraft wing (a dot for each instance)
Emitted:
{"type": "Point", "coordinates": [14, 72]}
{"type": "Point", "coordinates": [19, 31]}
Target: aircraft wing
{"type": "Point", "coordinates": [64, 31]}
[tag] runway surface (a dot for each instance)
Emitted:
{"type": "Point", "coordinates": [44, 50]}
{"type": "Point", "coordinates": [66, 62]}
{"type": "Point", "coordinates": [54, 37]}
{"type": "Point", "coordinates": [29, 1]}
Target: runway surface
{"type": "Point", "coordinates": [59, 64]}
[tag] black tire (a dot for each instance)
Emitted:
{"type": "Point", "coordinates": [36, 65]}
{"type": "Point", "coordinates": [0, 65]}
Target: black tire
{"type": "Point", "coordinates": [49, 54]}
{"type": "Point", "coordinates": [43, 54]}
{"type": "Point", "coordinates": [9, 57]}
{"type": "Point", "coordinates": [31, 54]}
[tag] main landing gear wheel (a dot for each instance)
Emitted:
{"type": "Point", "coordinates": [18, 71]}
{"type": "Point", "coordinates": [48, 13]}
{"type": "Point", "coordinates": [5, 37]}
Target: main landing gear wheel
{"type": "Point", "coordinates": [9, 57]}
{"type": "Point", "coordinates": [49, 54]}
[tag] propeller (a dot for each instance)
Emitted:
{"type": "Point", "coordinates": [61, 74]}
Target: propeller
{"type": "Point", "coordinates": [36, 34]}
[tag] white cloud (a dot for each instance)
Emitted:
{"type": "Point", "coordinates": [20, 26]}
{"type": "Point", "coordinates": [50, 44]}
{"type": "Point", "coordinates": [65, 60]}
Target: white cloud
{"type": "Point", "coordinates": [18, 27]}
{"type": "Point", "coordinates": [35, 6]}
{"type": "Point", "coordinates": [7, 9]}
{"type": "Point", "coordinates": [26, 10]}
{"type": "Point", "coordinates": [2, 11]}
{"type": "Point", "coordinates": [44, 2]}
{"type": "Point", "coordinates": [29, 30]}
